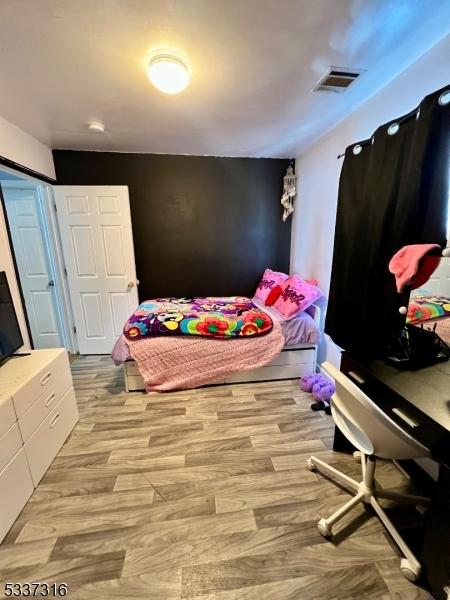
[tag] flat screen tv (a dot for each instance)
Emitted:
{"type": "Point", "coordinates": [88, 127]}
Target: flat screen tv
{"type": "Point", "coordinates": [10, 336]}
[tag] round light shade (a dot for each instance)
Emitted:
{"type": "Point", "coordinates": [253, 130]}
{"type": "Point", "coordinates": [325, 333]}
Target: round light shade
{"type": "Point", "coordinates": [168, 74]}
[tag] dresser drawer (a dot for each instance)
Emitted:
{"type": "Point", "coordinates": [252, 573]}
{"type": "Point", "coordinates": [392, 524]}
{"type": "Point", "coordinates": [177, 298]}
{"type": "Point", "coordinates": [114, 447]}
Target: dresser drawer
{"type": "Point", "coordinates": [16, 487]}
{"type": "Point", "coordinates": [41, 383]}
{"type": "Point", "coordinates": [44, 444]}
{"type": "Point", "coordinates": [7, 416]}
{"type": "Point", "coordinates": [37, 412]}
{"type": "Point", "coordinates": [10, 444]}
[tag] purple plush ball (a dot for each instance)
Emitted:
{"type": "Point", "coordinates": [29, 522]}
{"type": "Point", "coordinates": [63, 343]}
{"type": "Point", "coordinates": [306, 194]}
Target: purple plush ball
{"type": "Point", "coordinates": [308, 381]}
{"type": "Point", "coordinates": [324, 391]}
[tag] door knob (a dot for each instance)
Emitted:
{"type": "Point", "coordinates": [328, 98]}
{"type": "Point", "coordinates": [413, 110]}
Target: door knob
{"type": "Point", "coordinates": [51, 283]}
{"type": "Point", "coordinates": [130, 285]}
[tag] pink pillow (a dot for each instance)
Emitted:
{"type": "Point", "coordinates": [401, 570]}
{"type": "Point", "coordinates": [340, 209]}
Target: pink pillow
{"type": "Point", "coordinates": [296, 295]}
{"type": "Point", "coordinates": [269, 280]}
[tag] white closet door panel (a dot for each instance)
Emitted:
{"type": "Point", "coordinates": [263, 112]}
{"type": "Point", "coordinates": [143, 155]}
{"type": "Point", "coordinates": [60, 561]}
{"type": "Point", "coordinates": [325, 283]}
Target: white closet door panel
{"type": "Point", "coordinates": [35, 262]}
{"type": "Point", "coordinates": [114, 250]}
{"type": "Point", "coordinates": [83, 251]}
{"type": "Point", "coordinates": [44, 314]}
{"type": "Point", "coordinates": [92, 314]}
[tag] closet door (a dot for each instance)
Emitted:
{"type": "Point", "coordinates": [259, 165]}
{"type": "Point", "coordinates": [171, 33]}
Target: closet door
{"type": "Point", "coordinates": [97, 240]}
{"type": "Point", "coordinates": [33, 262]}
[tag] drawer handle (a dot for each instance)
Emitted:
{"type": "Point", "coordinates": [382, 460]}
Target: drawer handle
{"type": "Point", "coordinates": [46, 378]}
{"type": "Point", "coordinates": [356, 377]}
{"type": "Point", "coordinates": [405, 417]}
{"type": "Point", "coordinates": [50, 400]}
{"type": "Point", "coordinates": [54, 421]}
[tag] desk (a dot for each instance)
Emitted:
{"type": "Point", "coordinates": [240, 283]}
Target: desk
{"type": "Point", "coordinates": [419, 401]}
{"type": "Point", "coordinates": [421, 397]}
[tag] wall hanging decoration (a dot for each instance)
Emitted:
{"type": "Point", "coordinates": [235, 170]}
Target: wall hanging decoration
{"type": "Point", "coordinates": [289, 191]}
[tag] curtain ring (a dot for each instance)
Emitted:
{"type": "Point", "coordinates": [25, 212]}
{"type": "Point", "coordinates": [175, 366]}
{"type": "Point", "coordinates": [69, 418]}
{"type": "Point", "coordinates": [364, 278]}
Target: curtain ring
{"type": "Point", "coordinates": [393, 128]}
{"type": "Point", "coordinates": [357, 149]}
{"type": "Point", "coordinates": [444, 98]}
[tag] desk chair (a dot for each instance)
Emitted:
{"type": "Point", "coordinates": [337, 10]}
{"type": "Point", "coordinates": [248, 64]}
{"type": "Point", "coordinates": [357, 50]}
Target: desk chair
{"type": "Point", "coordinates": [375, 435]}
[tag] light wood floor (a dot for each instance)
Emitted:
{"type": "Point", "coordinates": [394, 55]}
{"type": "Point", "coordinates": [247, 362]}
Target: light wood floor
{"type": "Point", "coordinates": [199, 494]}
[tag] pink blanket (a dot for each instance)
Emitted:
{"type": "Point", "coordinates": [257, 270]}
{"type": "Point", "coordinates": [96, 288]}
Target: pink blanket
{"type": "Point", "coordinates": [171, 363]}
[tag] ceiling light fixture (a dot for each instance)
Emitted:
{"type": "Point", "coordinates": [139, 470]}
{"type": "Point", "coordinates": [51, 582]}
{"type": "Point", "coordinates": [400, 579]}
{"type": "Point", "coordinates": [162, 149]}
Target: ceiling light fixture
{"type": "Point", "coordinates": [96, 127]}
{"type": "Point", "coordinates": [168, 73]}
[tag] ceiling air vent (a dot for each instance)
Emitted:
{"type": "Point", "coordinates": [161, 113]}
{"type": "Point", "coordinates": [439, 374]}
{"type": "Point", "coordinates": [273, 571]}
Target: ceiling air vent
{"type": "Point", "coordinates": [337, 79]}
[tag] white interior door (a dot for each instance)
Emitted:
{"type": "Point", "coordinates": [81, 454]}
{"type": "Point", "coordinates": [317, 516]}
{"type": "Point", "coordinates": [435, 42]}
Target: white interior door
{"type": "Point", "coordinates": [33, 263]}
{"type": "Point", "coordinates": [97, 240]}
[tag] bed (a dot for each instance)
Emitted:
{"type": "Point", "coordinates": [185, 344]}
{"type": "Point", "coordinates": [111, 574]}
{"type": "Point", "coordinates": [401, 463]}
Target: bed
{"type": "Point", "coordinates": [296, 356]}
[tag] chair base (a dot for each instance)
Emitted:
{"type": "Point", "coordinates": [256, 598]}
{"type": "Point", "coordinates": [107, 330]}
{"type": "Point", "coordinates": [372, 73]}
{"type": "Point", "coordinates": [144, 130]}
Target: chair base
{"type": "Point", "coordinates": [365, 491]}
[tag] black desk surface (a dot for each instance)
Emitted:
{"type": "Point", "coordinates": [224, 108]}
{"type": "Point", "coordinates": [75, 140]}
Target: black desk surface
{"type": "Point", "coordinates": [427, 389]}
{"type": "Point", "coordinates": [422, 395]}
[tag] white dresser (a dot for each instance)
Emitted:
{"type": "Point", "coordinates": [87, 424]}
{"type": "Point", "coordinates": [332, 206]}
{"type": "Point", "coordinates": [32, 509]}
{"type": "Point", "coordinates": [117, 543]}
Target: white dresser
{"type": "Point", "coordinates": [38, 410]}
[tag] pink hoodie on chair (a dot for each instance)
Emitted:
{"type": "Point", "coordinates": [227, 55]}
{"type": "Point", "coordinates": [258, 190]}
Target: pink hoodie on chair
{"type": "Point", "coordinates": [411, 265]}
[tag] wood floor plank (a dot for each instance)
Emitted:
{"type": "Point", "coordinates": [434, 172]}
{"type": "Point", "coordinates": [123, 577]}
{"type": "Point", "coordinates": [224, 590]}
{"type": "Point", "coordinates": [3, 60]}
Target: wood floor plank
{"type": "Point", "coordinates": [75, 572]}
{"type": "Point", "coordinates": [154, 534]}
{"type": "Point", "coordinates": [291, 411]}
{"type": "Point", "coordinates": [209, 431]}
{"type": "Point", "coordinates": [131, 481]}
{"type": "Point", "coordinates": [72, 487]}
{"type": "Point", "coordinates": [129, 432]}
{"type": "Point", "coordinates": [179, 448]}
{"type": "Point", "coordinates": [263, 451]}
{"type": "Point", "coordinates": [199, 473]}
{"type": "Point", "coordinates": [70, 522]}
{"type": "Point", "coordinates": [355, 583]}
{"type": "Point", "coordinates": [256, 570]}
{"type": "Point", "coordinates": [160, 585]}
{"type": "Point", "coordinates": [139, 560]}
{"type": "Point", "coordinates": [91, 444]}
{"type": "Point", "coordinates": [13, 556]}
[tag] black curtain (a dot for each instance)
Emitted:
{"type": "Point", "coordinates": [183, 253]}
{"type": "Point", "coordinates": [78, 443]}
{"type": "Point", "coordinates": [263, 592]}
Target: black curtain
{"type": "Point", "coordinates": [392, 193]}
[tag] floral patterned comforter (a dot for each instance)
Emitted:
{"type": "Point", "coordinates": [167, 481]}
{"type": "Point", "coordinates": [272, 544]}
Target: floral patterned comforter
{"type": "Point", "coordinates": [232, 316]}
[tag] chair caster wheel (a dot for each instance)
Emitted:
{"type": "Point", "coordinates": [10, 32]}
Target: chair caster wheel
{"type": "Point", "coordinates": [408, 571]}
{"type": "Point", "coordinates": [357, 456]}
{"type": "Point", "coordinates": [324, 528]}
{"type": "Point", "coordinates": [310, 465]}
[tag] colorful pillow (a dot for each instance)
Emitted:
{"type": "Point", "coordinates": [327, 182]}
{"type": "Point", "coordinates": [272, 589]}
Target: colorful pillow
{"type": "Point", "coordinates": [296, 295]}
{"type": "Point", "coordinates": [273, 295]}
{"type": "Point", "coordinates": [269, 280]}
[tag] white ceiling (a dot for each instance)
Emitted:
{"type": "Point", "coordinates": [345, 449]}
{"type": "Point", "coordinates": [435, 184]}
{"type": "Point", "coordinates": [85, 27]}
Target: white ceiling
{"type": "Point", "coordinates": [253, 62]}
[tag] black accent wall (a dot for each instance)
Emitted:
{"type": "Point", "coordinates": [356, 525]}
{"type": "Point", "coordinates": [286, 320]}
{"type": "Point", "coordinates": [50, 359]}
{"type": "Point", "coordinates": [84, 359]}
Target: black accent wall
{"type": "Point", "coordinates": [201, 225]}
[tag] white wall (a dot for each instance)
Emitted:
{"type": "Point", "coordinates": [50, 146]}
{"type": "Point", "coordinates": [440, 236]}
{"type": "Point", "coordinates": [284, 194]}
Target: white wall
{"type": "Point", "coordinates": [24, 149]}
{"type": "Point", "coordinates": [318, 169]}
